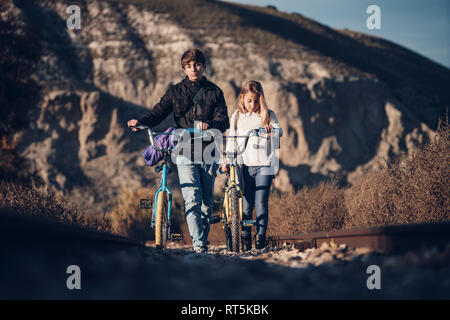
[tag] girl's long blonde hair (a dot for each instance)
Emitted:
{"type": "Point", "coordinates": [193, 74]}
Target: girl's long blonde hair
{"type": "Point", "coordinates": [263, 111]}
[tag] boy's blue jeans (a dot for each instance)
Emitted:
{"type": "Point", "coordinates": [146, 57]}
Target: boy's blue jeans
{"type": "Point", "coordinates": [257, 182]}
{"type": "Point", "coordinates": [197, 187]}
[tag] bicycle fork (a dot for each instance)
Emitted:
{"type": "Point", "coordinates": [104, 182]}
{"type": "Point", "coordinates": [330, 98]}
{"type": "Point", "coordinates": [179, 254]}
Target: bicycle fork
{"type": "Point", "coordinates": [163, 187]}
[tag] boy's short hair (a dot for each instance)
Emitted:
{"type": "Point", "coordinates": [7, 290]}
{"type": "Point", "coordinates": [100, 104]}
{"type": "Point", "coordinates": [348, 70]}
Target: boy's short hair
{"type": "Point", "coordinates": [192, 55]}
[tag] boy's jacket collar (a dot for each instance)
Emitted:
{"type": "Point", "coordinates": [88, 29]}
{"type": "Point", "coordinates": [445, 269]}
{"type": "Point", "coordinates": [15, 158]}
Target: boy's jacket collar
{"type": "Point", "coordinates": [190, 83]}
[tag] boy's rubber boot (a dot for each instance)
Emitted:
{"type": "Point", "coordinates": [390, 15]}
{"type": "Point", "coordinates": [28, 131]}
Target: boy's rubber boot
{"type": "Point", "coordinates": [246, 240]}
{"type": "Point", "coordinates": [260, 241]}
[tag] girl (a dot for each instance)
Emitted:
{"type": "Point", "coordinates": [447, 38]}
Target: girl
{"type": "Point", "coordinates": [256, 163]}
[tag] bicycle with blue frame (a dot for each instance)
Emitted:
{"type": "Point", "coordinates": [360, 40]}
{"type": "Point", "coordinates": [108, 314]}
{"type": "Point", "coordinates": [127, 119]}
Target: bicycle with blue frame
{"type": "Point", "coordinates": [162, 211]}
{"type": "Point", "coordinates": [232, 202]}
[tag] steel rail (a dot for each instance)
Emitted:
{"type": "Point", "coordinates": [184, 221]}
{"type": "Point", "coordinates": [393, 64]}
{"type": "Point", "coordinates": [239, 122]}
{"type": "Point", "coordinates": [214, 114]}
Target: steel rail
{"type": "Point", "coordinates": [388, 238]}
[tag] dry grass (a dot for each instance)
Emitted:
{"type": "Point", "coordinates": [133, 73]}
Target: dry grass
{"type": "Point", "coordinates": [319, 208]}
{"type": "Point", "coordinates": [17, 199]}
{"type": "Point", "coordinates": [412, 189]}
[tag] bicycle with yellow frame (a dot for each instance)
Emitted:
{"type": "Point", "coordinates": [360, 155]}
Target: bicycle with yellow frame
{"type": "Point", "coordinates": [232, 214]}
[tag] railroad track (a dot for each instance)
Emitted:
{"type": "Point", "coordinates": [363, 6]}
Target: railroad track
{"type": "Point", "coordinates": [390, 238]}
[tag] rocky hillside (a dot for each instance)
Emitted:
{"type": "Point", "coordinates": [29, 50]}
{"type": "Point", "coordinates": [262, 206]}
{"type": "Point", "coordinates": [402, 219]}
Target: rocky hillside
{"type": "Point", "coordinates": [347, 101]}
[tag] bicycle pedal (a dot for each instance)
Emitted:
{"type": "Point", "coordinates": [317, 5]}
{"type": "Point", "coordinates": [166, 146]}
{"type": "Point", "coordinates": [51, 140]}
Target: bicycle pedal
{"type": "Point", "coordinates": [145, 203]}
{"type": "Point", "coordinates": [215, 219]}
{"type": "Point", "coordinates": [248, 223]}
{"type": "Point", "coordinates": [176, 237]}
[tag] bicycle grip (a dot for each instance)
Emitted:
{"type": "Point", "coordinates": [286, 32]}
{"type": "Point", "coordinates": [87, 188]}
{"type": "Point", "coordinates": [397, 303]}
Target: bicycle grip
{"type": "Point", "coordinates": [261, 130]}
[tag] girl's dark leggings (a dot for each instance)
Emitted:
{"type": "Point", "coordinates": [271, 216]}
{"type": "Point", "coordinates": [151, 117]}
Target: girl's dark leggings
{"type": "Point", "coordinates": [257, 182]}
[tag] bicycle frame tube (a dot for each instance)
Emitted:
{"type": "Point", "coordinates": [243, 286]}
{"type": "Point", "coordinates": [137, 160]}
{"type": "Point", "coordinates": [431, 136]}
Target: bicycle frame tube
{"type": "Point", "coordinates": [163, 187]}
{"type": "Point", "coordinates": [233, 183]}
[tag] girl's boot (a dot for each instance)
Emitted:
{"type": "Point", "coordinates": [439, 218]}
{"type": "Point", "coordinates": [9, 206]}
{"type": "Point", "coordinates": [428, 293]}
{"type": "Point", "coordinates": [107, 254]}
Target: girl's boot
{"type": "Point", "coordinates": [246, 242]}
{"type": "Point", "coordinates": [260, 241]}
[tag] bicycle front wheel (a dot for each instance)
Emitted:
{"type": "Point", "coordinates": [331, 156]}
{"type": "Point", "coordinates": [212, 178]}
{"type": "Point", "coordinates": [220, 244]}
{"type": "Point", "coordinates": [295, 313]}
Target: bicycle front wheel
{"type": "Point", "coordinates": [235, 220]}
{"type": "Point", "coordinates": [161, 220]}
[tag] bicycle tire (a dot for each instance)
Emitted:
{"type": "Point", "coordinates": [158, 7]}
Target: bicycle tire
{"type": "Point", "coordinates": [161, 220]}
{"type": "Point", "coordinates": [235, 220]}
{"type": "Point", "coordinates": [227, 237]}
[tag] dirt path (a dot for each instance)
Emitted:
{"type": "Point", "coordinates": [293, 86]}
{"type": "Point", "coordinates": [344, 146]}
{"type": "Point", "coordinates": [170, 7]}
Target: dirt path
{"type": "Point", "coordinates": [35, 271]}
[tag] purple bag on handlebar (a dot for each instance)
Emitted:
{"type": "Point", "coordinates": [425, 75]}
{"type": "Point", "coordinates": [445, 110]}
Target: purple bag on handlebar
{"type": "Point", "coordinates": [153, 156]}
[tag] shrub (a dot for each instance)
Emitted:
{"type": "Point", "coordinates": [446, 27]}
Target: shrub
{"type": "Point", "coordinates": [318, 208]}
{"type": "Point", "coordinates": [412, 189]}
{"type": "Point", "coordinates": [23, 200]}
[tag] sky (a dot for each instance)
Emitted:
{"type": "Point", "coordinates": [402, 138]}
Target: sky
{"type": "Point", "coordinates": [420, 25]}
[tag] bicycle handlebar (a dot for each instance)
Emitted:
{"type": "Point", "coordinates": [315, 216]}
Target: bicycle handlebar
{"type": "Point", "coordinates": [256, 132]}
{"type": "Point", "coordinates": [151, 135]}
{"type": "Point", "coordinates": [142, 127]}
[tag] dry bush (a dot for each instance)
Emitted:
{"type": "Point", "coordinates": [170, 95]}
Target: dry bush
{"type": "Point", "coordinates": [319, 208]}
{"type": "Point", "coordinates": [413, 189]}
{"type": "Point", "coordinates": [370, 201]}
{"type": "Point", "coordinates": [23, 200]}
{"type": "Point", "coordinates": [128, 219]}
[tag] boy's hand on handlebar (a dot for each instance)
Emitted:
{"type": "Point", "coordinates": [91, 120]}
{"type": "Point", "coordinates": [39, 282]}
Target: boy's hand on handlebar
{"type": "Point", "coordinates": [133, 123]}
{"type": "Point", "coordinates": [202, 126]}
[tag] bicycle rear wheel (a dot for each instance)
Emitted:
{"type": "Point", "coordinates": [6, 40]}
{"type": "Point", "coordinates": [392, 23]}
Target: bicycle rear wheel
{"type": "Point", "coordinates": [161, 220]}
{"type": "Point", "coordinates": [235, 220]}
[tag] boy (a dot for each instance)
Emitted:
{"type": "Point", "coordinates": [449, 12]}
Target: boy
{"type": "Point", "coordinates": [194, 100]}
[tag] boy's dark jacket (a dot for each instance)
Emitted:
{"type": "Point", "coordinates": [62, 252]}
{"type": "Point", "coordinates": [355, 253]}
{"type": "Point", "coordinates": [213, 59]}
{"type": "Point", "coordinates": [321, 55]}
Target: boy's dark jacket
{"type": "Point", "coordinates": [209, 106]}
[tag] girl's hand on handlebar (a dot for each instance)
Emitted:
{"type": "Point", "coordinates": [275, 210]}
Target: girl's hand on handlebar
{"type": "Point", "coordinates": [268, 128]}
{"type": "Point", "coordinates": [224, 167]}
{"type": "Point", "coordinates": [133, 123]}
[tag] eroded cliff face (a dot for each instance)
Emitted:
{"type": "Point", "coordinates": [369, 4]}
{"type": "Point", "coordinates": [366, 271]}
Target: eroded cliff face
{"type": "Point", "coordinates": [337, 120]}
